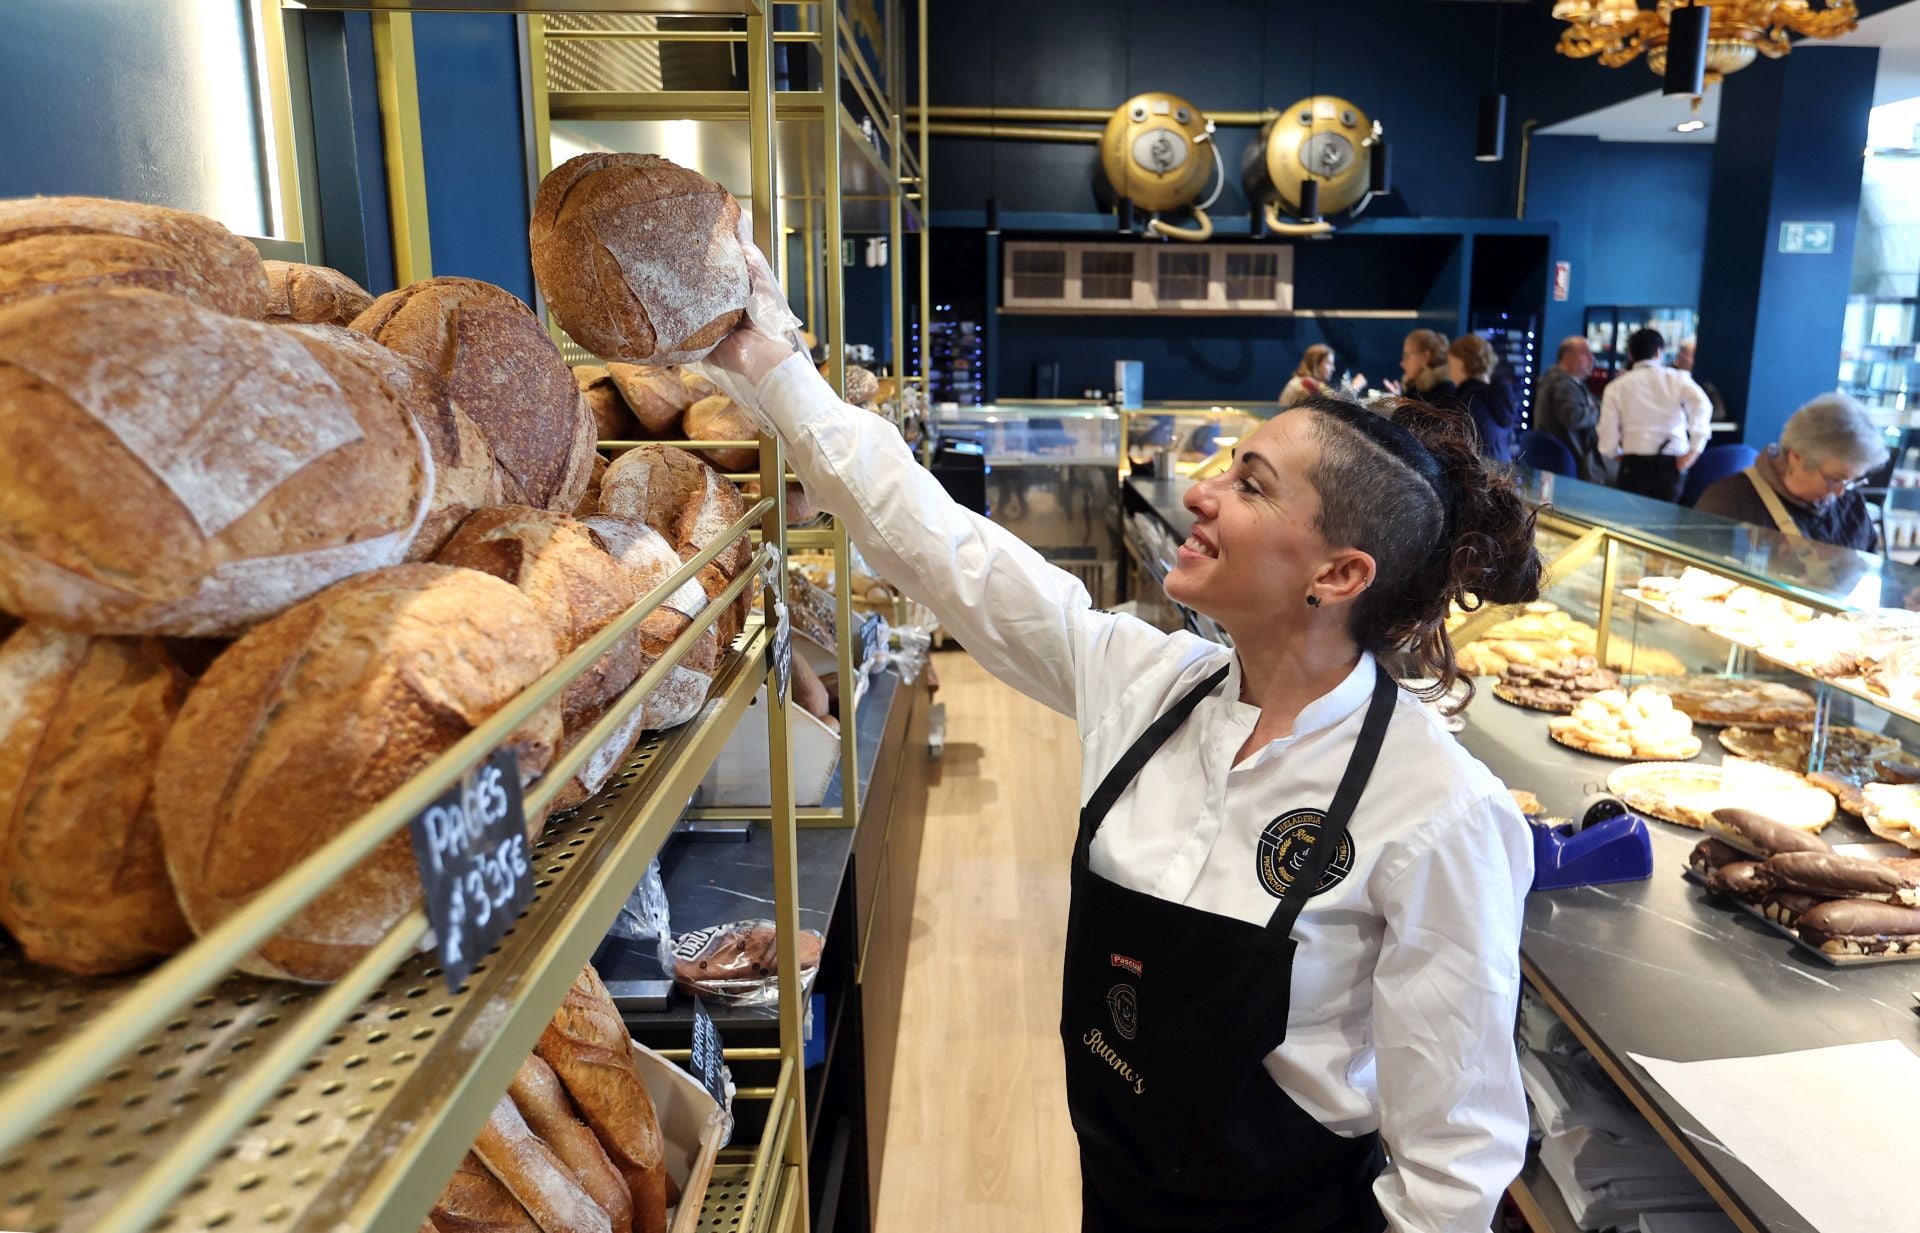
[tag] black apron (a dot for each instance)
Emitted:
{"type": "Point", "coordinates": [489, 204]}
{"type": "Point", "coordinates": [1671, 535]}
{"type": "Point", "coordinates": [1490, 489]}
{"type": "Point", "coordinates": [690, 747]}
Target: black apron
{"type": "Point", "coordinates": [1168, 1015]}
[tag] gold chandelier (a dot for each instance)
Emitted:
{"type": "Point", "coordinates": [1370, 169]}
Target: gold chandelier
{"type": "Point", "coordinates": [1618, 30]}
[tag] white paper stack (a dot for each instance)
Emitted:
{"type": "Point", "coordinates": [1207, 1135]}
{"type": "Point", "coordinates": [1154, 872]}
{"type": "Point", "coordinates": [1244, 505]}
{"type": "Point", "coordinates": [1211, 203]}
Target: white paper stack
{"type": "Point", "coordinates": [1612, 1169]}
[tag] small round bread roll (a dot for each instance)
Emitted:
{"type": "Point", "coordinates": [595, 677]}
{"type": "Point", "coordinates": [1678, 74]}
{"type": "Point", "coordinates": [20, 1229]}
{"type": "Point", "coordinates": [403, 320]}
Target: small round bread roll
{"type": "Point", "coordinates": [83, 886]}
{"type": "Point", "coordinates": [465, 476]}
{"type": "Point", "coordinates": [166, 469]}
{"type": "Point", "coordinates": [721, 419]}
{"type": "Point", "coordinates": [656, 396]}
{"type": "Point", "coordinates": [312, 295]}
{"type": "Point", "coordinates": [862, 386]}
{"type": "Point", "coordinates": [639, 259]}
{"type": "Point", "coordinates": [312, 719]}
{"type": "Point", "coordinates": [59, 244]}
{"type": "Point", "coordinates": [613, 419]}
{"type": "Point", "coordinates": [505, 372]}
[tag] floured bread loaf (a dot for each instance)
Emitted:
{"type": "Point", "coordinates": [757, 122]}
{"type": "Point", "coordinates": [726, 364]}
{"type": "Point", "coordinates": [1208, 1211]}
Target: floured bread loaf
{"type": "Point", "coordinates": [165, 469]}
{"type": "Point", "coordinates": [690, 504]}
{"type": "Point", "coordinates": [649, 561]}
{"type": "Point", "coordinates": [312, 295]}
{"type": "Point", "coordinates": [505, 372]}
{"type": "Point", "coordinates": [83, 885]}
{"type": "Point", "coordinates": [612, 419]}
{"type": "Point", "coordinates": [721, 419]}
{"type": "Point", "coordinates": [639, 259]}
{"type": "Point", "coordinates": [561, 565]}
{"type": "Point", "coordinates": [658, 397]}
{"type": "Point", "coordinates": [58, 244]}
{"type": "Point", "coordinates": [465, 477]}
{"type": "Point", "coordinates": [315, 717]}
{"type": "Point", "coordinates": [475, 1201]}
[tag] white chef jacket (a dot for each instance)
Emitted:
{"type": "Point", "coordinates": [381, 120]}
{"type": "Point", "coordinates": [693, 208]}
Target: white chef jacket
{"type": "Point", "coordinates": [1407, 972]}
{"type": "Point", "coordinates": [1653, 409]}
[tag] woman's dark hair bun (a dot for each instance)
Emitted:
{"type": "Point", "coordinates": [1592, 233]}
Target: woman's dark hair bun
{"type": "Point", "coordinates": [1494, 559]}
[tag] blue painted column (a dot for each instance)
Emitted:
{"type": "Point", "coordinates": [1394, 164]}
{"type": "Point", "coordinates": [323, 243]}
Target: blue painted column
{"type": "Point", "coordinates": [1789, 149]}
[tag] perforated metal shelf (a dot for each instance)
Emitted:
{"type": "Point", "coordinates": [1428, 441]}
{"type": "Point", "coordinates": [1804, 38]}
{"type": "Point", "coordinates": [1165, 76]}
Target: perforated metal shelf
{"type": "Point", "coordinates": [725, 1209]}
{"type": "Point", "coordinates": [367, 1132]}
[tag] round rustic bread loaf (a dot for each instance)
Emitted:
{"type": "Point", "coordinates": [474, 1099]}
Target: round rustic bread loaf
{"type": "Point", "coordinates": [165, 469]}
{"type": "Point", "coordinates": [697, 386]}
{"type": "Point", "coordinates": [590, 500]}
{"type": "Point", "coordinates": [56, 244]}
{"type": "Point", "coordinates": [649, 561]}
{"type": "Point", "coordinates": [312, 295]}
{"type": "Point", "coordinates": [656, 396]}
{"type": "Point", "coordinates": [465, 477]}
{"type": "Point", "coordinates": [639, 259]}
{"type": "Point", "coordinates": [505, 372]}
{"type": "Point", "coordinates": [612, 418]}
{"type": "Point", "coordinates": [690, 504]}
{"type": "Point", "coordinates": [315, 717]}
{"type": "Point", "coordinates": [721, 419]}
{"type": "Point", "coordinates": [83, 885]}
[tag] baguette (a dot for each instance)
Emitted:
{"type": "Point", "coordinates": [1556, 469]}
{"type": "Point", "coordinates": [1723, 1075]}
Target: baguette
{"type": "Point", "coordinates": [529, 1169]}
{"type": "Point", "coordinates": [474, 1201]}
{"type": "Point", "coordinates": [587, 1046]}
{"type": "Point", "coordinates": [543, 1103]}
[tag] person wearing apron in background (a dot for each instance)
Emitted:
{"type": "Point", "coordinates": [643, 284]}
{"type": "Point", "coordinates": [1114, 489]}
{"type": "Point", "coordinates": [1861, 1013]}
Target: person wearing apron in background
{"type": "Point", "coordinates": [1293, 946]}
{"type": "Point", "coordinates": [1808, 485]}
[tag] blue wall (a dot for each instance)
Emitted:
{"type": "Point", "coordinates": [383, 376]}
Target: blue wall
{"type": "Point", "coordinates": [1633, 221]}
{"type": "Point", "coordinates": [476, 158]}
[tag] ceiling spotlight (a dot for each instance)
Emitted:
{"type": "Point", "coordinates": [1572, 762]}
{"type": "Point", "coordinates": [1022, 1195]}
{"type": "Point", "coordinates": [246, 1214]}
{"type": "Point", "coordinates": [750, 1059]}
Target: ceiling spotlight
{"type": "Point", "coordinates": [1689, 126]}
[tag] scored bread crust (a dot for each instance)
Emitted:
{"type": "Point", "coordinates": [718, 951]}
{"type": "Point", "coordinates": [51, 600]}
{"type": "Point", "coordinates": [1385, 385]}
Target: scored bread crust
{"type": "Point", "coordinates": [640, 259]}
{"type": "Point", "coordinates": [649, 561]}
{"type": "Point", "coordinates": [505, 372]}
{"type": "Point", "coordinates": [613, 420]}
{"type": "Point", "coordinates": [474, 1201]}
{"type": "Point", "coordinates": [690, 504]}
{"type": "Point", "coordinates": [165, 469]}
{"type": "Point", "coordinates": [586, 1044]}
{"type": "Point", "coordinates": [305, 724]}
{"type": "Point", "coordinates": [52, 245]}
{"type": "Point", "coordinates": [311, 295]}
{"type": "Point", "coordinates": [528, 1167]}
{"type": "Point", "coordinates": [465, 475]}
{"type": "Point", "coordinates": [83, 884]}
{"type": "Point", "coordinates": [719, 418]}
{"type": "Point", "coordinates": [657, 396]}
{"type": "Point", "coordinates": [537, 1093]}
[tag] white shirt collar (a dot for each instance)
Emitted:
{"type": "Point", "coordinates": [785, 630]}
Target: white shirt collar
{"type": "Point", "coordinates": [1323, 712]}
{"type": "Point", "coordinates": [1648, 364]}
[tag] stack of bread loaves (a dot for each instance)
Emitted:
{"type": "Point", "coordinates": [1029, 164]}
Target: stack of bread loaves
{"type": "Point", "coordinates": [257, 569]}
{"type": "Point", "coordinates": [574, 1145]}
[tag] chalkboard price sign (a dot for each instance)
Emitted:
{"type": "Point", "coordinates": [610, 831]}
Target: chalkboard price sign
{"type": "Point", "coordinates": [471, 846]}
{"type": "Point", "coordinates": [708, 1063]}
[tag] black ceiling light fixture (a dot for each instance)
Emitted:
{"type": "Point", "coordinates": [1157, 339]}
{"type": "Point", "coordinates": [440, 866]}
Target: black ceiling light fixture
{"type": "Point", "coordinates": [1687, 51]}
{"type": "Point", "coordinates": [1490, 134]}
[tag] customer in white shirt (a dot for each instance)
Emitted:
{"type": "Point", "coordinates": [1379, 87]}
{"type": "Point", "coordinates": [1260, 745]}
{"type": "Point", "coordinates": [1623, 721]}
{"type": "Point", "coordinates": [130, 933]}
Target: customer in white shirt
{"type": "Point", "coordinates": [1655, 419]}
{"type": "Point", "coordinates": [1278, 964]}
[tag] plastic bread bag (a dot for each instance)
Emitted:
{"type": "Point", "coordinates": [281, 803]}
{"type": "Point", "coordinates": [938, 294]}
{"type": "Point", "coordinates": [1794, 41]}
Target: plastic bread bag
{"type": "Point", "coordinates": [767, 309]}
{"type": "Point", "coordinates": [738, 963]}
{"type": "Point", "coordinates": [643, 919]}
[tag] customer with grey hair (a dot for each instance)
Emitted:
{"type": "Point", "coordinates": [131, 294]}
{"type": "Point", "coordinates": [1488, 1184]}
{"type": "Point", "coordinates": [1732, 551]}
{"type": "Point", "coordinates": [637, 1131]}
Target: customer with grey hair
{"type": "Point", "coordinates": [1808, 485]}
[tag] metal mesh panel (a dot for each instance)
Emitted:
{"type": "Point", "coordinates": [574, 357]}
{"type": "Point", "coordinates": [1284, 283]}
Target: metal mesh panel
{"type": "Point", "coordinates": [600, 63]}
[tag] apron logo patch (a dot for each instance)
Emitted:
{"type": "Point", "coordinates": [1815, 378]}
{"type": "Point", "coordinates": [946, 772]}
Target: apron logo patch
{"type": "Point", "coordinates": [1285, 846]}
{"type": "Point", "coordinates": [1128, 962]}
{"type": "Point", "coordinates": [1124, 1005]}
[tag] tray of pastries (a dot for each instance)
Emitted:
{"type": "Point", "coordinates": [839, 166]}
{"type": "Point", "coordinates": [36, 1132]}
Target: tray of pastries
{"type": "Point", "coordinates": [1708, 601]}
{"type": "Point", "coordinates": [1844, 908]}
{"type": "Point", "coordinates": [1892, 811]}
{"type": "Point", "coordinates": [1543, 633]}
{"type": "Point", "coordinates": [1739, 702]}
{"type": "Point", "coordinates": [1688, 795]}
{"type": "Point", "coordinates": [1555, 687]}
{"type": "Point", "coordinates": [1850, 759]}
{"type": "Point", "coordinates": [1641, 726]}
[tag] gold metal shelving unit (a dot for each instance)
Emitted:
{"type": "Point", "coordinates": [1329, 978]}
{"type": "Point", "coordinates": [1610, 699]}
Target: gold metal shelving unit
{"type": "Point", "coordinates": [191, 1097]}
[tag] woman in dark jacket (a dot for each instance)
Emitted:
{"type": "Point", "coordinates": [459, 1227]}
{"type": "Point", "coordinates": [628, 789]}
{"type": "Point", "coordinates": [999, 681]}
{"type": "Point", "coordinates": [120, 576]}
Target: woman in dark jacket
{"type": "Point", "coordinates": [1423, 367]}
{"type": "Point", "coordinates": [1470, 362]}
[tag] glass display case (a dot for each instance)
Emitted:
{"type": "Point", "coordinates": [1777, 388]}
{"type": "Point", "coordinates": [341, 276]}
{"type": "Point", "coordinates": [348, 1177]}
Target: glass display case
{"type": "Point", "coordinates": [1053, 479]}
{"type": "Point", "coordinates": [1187, 434]}
{"type": "Point", "coordinates": [1608, 327]}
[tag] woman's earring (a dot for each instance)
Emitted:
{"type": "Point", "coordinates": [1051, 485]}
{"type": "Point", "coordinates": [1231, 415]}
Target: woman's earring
{"type": "Point", "coordinates": [1313, 601]}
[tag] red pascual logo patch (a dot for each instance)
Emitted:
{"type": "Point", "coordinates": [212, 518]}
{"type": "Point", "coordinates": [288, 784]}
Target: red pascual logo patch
{"type": "Point", "coordinates": [1128, 962]}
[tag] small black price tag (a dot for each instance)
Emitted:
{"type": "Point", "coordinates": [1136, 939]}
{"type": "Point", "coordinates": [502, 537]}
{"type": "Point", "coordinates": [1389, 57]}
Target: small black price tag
{"type": "Point", "coordinates": [471, 846]}
{"type": "Point", "coordinates": [782, 654]}
{"type": "Point", "coordinates": [708, 1063]}
{"type": "Point", "coordinates": [873, 634]}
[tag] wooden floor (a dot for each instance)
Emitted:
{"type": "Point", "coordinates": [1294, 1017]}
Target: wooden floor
{"type": "Point", "coordinates": [978, 1138]}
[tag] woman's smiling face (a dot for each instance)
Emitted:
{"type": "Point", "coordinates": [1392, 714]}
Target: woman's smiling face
{"type": "Point", "coordinates": [1255, 547]}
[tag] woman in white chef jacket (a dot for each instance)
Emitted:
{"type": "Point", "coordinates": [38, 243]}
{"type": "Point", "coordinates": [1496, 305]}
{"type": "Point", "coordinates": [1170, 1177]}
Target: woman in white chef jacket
{"type": "Point", "coordinates": [1295, 923]}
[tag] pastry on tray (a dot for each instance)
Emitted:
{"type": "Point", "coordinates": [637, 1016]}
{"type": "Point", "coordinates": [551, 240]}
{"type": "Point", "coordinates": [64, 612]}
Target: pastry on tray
{"type": "Point", "coordinates": [1640, 725]}
{"type": "Point", "coordinates": [1725, 701]}
{"type": "Point", "coordinates": [1831, 875]}
{"type": "Point", "coordinates": [1756, 834]}
{"type": "Point", "coordinates": [1892, 811]}
{"type": "Point", "coordinates": [1861, 927]}
{"type": "Point", "coordinates": [1688, 795]}
{"type": "Point", "coordinates": [1848, 750]}
{"type": "Point", "coordinates": [1557, 686]}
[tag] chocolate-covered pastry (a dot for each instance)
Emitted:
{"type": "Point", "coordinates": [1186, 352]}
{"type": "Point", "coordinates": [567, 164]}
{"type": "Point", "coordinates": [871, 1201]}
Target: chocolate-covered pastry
{"type": "Point", "coordinates": [1860, 927]}
{"type": "Point", "coordinates": [1709, 854]}
{"type": "Point", "coordinates": [1787, 907]}
{"type": "Point", "coordinates": [1750, 881]}
{"type": "Point", "coordinates": [1760, 835]}
{"type": "Point", "coordinates": [1833, 876]}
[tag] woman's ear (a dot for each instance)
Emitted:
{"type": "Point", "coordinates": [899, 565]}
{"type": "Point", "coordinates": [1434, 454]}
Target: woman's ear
{"type": "Point", "coordinates": [1348, 573]}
